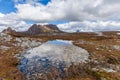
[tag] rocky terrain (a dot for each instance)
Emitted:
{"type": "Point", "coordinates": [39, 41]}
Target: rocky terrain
{"type": "Point", "coordinates": [103, 62]}
{"type": "Point", "coordinates": [9, 47]}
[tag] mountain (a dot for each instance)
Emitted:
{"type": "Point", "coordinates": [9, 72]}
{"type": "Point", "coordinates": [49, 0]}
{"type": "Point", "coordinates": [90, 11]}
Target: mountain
{"type": "Point", "coordinates": [9, 31]}
{"type": "Point", "coordinates": [35, 30]}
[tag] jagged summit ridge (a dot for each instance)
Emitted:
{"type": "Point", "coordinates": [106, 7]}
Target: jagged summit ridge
{"type": "Point", "coordinates": [35, 30]}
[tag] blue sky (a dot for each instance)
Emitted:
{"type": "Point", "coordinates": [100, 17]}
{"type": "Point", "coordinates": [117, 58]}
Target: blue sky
{"type": "Point", "coordinates": [68, 15]}
{"type": "Point", "coordinates": [7, 6]}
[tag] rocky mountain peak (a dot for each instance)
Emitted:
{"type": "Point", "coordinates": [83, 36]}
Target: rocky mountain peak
{"type": "Point", "coordinates": [37, 29]}
{"type": "Point", "coordinates": [9, 30]}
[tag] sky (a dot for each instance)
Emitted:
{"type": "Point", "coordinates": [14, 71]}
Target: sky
{"type": "Point", "coordinates": [68, 15]}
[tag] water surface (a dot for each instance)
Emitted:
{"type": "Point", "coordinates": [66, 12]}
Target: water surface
{"type": "Point", "coordinates": [50, 56]}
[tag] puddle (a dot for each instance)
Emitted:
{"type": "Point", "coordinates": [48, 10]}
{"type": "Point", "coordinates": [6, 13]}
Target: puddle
{"type": "Point", "coordinates": [52, 55]}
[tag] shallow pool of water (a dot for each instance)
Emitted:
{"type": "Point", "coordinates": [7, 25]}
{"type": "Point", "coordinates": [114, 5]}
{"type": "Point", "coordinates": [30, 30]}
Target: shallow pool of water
{"type": "Point", "coordinates": [50, 56]}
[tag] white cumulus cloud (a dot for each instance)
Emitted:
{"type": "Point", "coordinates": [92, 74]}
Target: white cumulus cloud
{"type": "Point", "coordinates": [1, 15]}
{"type": "Point", "coordinates": [12, 20]}
{"type": "Point", "coordinates": [85, 26]}
{"type": "Point", "coordinates": [69, 10]}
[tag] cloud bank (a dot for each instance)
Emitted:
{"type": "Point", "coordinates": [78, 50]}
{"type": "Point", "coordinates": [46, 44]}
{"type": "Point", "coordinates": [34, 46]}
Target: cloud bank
{"type": "Point", "coordinates": [86, 15]}
{"type": "Point", "coordinates": [11, 20]}
{"type": "Point", "coordinates": [85, 26]}
{"type": "Point", "coordinates": [69, 10]}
